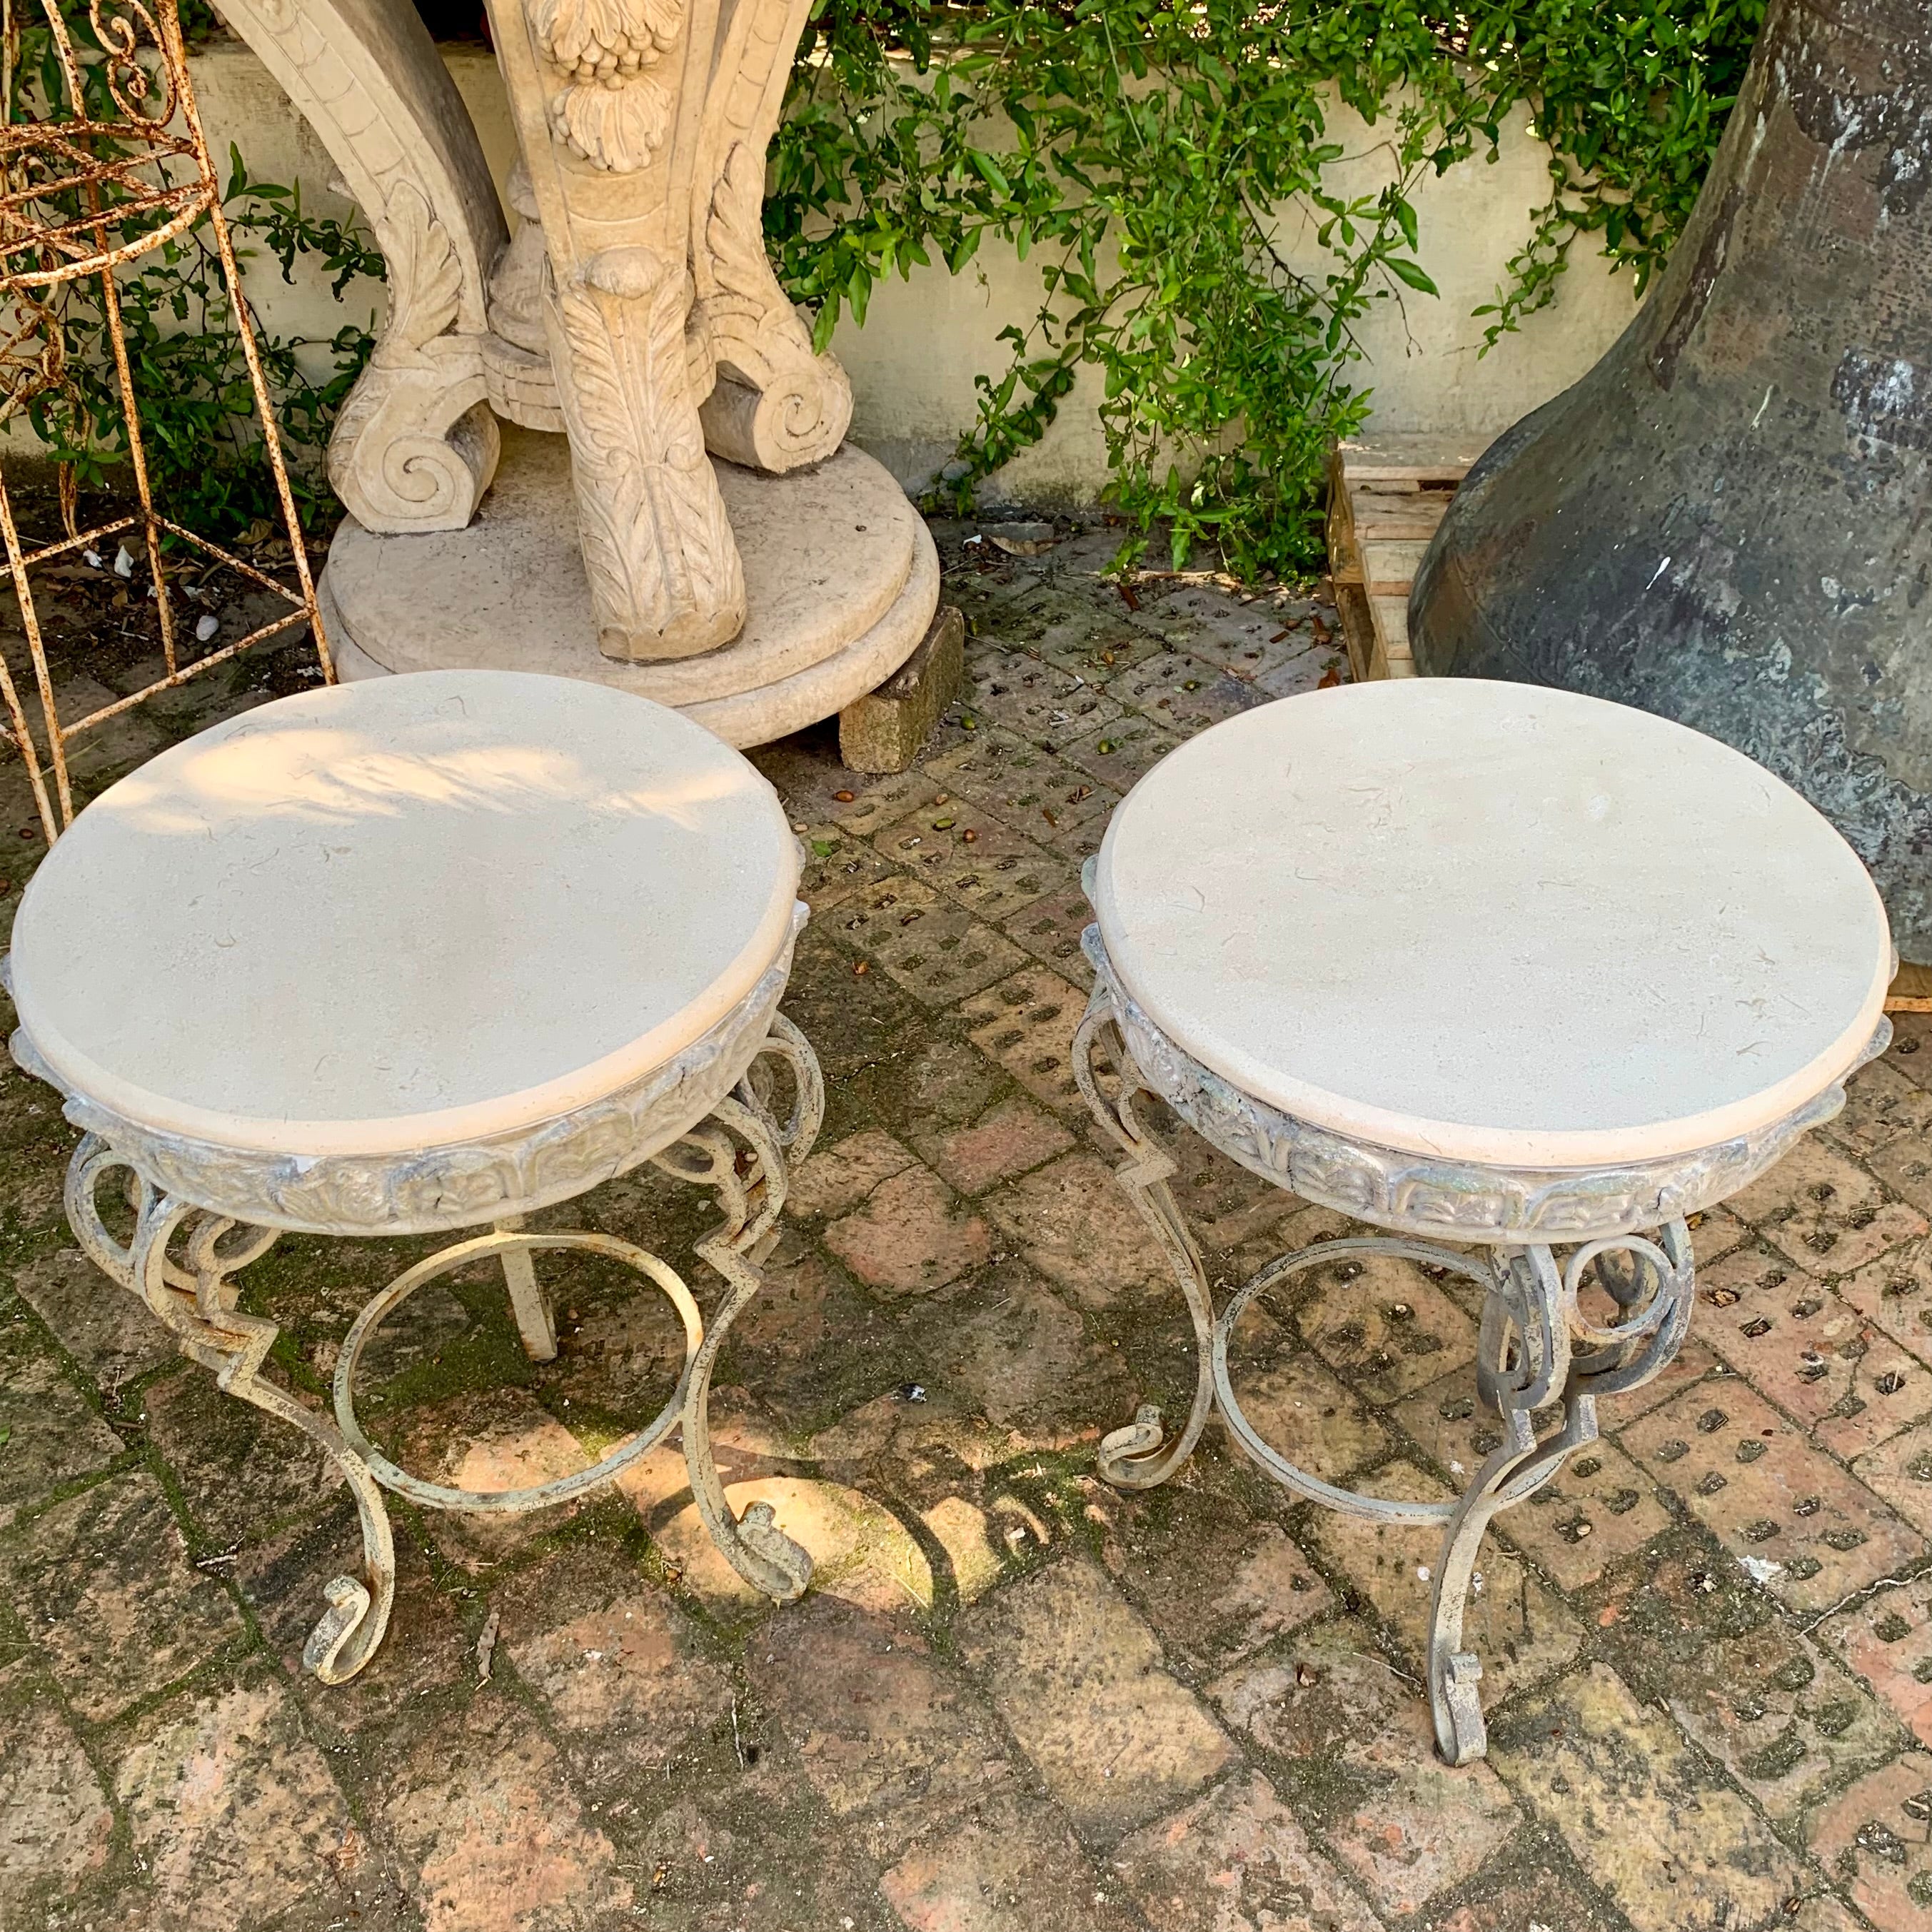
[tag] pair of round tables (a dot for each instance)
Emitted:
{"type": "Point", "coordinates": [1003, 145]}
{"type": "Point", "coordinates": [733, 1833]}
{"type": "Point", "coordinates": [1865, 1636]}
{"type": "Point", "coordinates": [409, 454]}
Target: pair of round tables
{"type": "Point", "coordinates": [1520, 979]}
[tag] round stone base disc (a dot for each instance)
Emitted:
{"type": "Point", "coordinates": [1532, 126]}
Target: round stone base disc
{"type": "Point", "coordinates": [841, 580]}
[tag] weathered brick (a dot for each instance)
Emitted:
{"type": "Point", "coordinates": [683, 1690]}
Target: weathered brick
{"type": "Point", "coordinates": [982, 863]}
{"type": "Point", "coordinates": [1887, 1638]}
{"type": "Point", "coordinates": [1769, 1493]}
{"type": "Point", "coordinates": [1816, 1356]}
{"type": "Point", "coordinates": [1009, 1139]}
{"type": "Point", "coordinates": [103, 1583]}
{"type": "Point", "coordinates": [1781, 1717]}
{"type": "Point", "coordinates": [894, 1744]}
{"type": "Point", "coordinates": [497, 1838]}
{"type": "Point", "coordinates": [56, 1830]}
{"type": "Point", "coordinates": [1406, 1825]}
{"type": "Point", "coordinates": [619, 1666]}
{"type": "Point", "coordinates": [1382, 1324]}
{"type": "Point", "coordinates": [1676, 1850]}
{"type": "Point", "coordinates": [933, 948]}
{"type": "Point", "coordinates": [105, 1328]}
{"type": "Point", "coordinates": [1600, 1509]}
{"type": "Point", "coordinates": [1079, 1679]}
{"type": "Point", "coordinates": [1051, 929]}
{"type": "Point", "coordinates": [1236, 1861]}
{"type": "Point", "coordinates": [911, 1236]}
{"type": "Point", "coordinates": [1894, 1294]}
{"type": "Point", "coordinates": [51, 1436]}
{"type": "Point", "coordinates": [836, 1180]}
{"type": "Point", "coordinates": [234, 1815]}
{"type": "Point", "coordinates": [1216, 1583]}
{"type": "Point", "coordinates": [861, 1552]}
{"type": "Point", "coordinates": [242, 1472]}
{"type": "Point", "coordinates": [1073, 1224]}
{"type": "Point", "coordinates": [1824, 1213]}
{"type": "Point", "coordinates": [1024, 1360]}
{"type": "Point", "coordinates": [1011, 1868]}
{"type": "Point", "coordinates": [1872, 1840]}
{"type": "Point", "coordinates": [1522, 1631]}
{"type": "Point", "coordinates": [1300, 1409]}
{"type": "Point", "coordinates": [1034, 699]}
{"type": "Point", "coordinates": [1882, 1106]}
{"type": "Point", "coordinates": [1027, 1023]}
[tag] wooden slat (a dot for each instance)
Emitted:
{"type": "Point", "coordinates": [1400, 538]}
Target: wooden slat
{"type": "Point", "coordinates": [1388, 568]}
{"type": "Point", "coordinates": [1385, 499]}
{"type": "Point", "coordinates": [1358, 629]}
{"type": "Point", "coordinates": [1911, 991]}
{"type": "Point", "coordinates": [1409, 459]}
{"type": "Point", "coordinates": [1374, 516]}
{"type": "Point", "coordinates": [1389, 618]}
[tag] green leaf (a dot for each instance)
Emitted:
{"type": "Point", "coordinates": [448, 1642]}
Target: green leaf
{"type": "Point", "coordinates": [1411, 272]}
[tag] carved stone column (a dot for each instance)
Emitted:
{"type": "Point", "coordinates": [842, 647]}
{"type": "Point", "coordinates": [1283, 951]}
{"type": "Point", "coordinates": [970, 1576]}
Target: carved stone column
{"type": "Point", "coordinates": [415, 444]}
{"type": "Point", "coordinates": [608, 97]}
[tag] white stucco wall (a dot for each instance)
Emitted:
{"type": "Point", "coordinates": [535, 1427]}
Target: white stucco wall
{"type": "Point", "coordinates": [913, 364]}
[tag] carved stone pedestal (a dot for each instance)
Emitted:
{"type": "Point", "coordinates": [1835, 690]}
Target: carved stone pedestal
{"type": "Point", "coordinates": [841, 580]}
{"type": "Point", "coordinates": [634, 311]}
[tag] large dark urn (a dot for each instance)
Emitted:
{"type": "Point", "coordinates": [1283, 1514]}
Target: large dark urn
{"type": "Point", "coordinates": [1728, 521]}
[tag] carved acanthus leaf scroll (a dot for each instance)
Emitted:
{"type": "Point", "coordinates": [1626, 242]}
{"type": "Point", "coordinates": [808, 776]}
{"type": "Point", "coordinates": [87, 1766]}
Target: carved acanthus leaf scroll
{"type": "Point", "coordinates": [415, 444]}
{"type": "Point", "coordinates": [777, 406]}
{"type": "Point", "coordinates": [413, 447]}
{"type": "Point", "coordinates": [611, 113]}
{"type": "Point", "coordinates": [594, 39]}
{"type": "Point", "coordinates": [425, 277]}
{"type": "Point", "coordinates": [664, 573]}
{"type": "Point", "coordinates": [618, 128]}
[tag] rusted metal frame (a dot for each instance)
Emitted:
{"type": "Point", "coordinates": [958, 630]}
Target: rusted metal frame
{"type": "Point", "coordinates": [82, 540]}
{"type": "Point", "coordinates": [178, 678]}
{"type": "Point", "coordinates": [102, 258]}
{"type": "Point", "coordinates": [30, 622]}
{"type": "Point", "coordinates": [120, 40]}
{"type": "Point", "coordinates": [244, 323]}
{"type": "Point", "coordinates": [233, 562]}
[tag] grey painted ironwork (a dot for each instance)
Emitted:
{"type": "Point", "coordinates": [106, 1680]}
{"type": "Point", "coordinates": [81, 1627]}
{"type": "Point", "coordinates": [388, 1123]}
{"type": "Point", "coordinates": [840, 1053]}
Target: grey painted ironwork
{"type": "Point", "coordinates": [1537, 1347]}
{"type": "Point", "coordinates": [438, 1190]}
{"type": "Point", "coordinates": [184, 1253]}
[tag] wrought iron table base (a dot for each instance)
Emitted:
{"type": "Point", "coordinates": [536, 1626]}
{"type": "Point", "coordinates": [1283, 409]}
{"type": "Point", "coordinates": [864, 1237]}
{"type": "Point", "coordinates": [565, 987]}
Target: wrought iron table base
{"type": "Point", "coordinates": [1537, 1347]}
{"type": "Point", "coordinates": [741, 1150]}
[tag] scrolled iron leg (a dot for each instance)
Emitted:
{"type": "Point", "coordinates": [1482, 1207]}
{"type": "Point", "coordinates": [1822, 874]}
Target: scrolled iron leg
{"type": "Point", "coordinates": [1536, 1342]}
{"type": "Point", "coordinates": [1142, 1455]}
{"type": "Point", "coordinates": [753, 1544]}
{"type": "Point", "coordinates": [1509, 1473]}
{"type": "Point", "coordinates": [197, 1304]}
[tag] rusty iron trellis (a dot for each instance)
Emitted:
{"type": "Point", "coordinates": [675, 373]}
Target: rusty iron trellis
{"type": "Point", "coordinates": [79, 196]}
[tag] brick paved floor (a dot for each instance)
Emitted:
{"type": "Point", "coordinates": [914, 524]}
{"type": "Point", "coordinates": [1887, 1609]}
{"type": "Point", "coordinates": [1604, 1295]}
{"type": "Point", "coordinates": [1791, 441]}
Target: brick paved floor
{"type": "Point", "coordinates": [1014, 1701]}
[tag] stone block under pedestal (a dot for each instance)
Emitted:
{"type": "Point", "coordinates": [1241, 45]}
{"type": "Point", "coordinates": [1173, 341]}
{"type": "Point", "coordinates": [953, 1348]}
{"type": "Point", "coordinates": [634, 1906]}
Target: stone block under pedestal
{"type": "Point", "coordinates": [841, 575]}
{"type": "Point", "coordinates": [883, 730]}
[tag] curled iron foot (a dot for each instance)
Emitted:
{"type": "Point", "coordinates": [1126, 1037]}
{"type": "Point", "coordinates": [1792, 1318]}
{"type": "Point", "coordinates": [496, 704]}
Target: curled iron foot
{"type": "Point", "coordinates": [1124, 1455]}
{"type": "Point", "coordinates": [333, 1653]}
{"type": "Point", "coordinates": [766, 1557]}
{"type": "Point", "coordinates": [1457, 1705]}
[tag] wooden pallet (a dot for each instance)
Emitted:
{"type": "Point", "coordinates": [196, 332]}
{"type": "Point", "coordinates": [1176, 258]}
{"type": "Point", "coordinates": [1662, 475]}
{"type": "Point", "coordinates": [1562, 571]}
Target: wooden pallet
{"type": "Point", "coordinates": [1385, 498]}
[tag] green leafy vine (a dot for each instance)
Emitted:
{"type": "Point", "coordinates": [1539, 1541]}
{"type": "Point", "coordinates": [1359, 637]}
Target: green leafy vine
{"type": "Point", "coordinates": [1152, 154]}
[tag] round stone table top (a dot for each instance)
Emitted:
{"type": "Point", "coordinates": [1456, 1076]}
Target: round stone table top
{"type": "Point", "coordinates": [404, 914]}
{"type": "Point", "coordinates": [1493, 922]}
